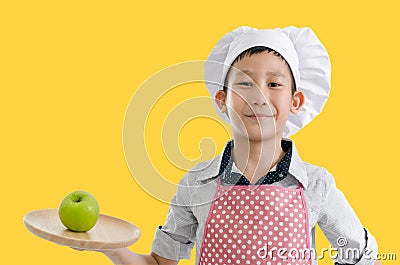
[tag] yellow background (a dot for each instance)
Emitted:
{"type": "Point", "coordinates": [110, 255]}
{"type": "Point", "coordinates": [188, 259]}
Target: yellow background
{"type": "Point", "coordinates": [69, 69]}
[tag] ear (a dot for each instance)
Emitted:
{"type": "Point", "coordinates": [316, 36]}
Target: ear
{"type": "Point", "coordinates": [297, 101]}
{"type": "Point", "coordinates": [220, 99]}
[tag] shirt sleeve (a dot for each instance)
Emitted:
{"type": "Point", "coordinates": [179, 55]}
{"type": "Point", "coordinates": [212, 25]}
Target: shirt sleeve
{"type": "Point", "coordinates": [340, 224]}
{"type": "Point", "coordinates": [175, 239]}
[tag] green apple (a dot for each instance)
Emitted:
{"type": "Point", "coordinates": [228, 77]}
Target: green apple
{"type": "Point", "coordinates": [79, 211]}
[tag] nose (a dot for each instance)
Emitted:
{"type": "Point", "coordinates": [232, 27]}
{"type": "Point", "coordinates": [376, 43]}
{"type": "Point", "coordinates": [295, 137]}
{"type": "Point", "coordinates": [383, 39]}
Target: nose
{"type": "Point", "coordinates": [259, 101]}
{"type": "Point", "coordinates": [258, 98]}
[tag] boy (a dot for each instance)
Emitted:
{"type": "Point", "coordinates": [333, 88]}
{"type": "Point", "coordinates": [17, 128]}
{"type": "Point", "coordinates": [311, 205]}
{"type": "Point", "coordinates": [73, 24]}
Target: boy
{"type": "Point", "coordinates": [258, 195]}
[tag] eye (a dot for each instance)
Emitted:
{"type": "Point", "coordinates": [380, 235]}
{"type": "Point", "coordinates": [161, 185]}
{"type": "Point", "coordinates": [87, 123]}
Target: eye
{"type": "Point", "coordinates": [244, 84]}
{"type": "Point", "coordinates": [273, 84]}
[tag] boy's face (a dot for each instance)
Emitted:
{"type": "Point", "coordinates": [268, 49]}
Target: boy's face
{"type": "Point", "coordinates": [259, 96]}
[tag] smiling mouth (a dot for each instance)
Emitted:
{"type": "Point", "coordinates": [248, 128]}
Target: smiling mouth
{"type": "Point", "coordinates": [259, 116]}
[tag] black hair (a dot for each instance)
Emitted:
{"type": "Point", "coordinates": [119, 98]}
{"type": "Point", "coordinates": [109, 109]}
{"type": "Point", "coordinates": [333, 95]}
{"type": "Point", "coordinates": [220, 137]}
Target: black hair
{"type": "Point", "coordinates": [257, 50]}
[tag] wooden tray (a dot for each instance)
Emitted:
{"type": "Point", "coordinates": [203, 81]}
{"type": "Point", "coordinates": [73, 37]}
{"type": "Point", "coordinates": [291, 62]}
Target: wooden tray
{"type": "Point", "coordinates": [108, 233]}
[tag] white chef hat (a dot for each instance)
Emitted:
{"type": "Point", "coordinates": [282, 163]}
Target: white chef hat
{"type": "Point", "coordinates": [305, 54]}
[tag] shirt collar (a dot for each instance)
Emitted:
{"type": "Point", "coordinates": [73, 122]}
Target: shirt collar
{"type": "Point", "coordinates": [297, 167]}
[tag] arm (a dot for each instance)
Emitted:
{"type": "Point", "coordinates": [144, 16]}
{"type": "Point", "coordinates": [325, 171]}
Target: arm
{"type": "Point", "coordinates": [173, 241]}
{"type": "Point", "coordinates": [125, 256]}
{"type": "Point", "coordinates": [338, 220]}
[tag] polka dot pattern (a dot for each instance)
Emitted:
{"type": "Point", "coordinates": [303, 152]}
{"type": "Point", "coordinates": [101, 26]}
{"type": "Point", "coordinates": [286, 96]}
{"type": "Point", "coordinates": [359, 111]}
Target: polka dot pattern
{"type": "Point", "coordinates": [234, 178]}
{"type": "Point", "coordinates": [243, 221]}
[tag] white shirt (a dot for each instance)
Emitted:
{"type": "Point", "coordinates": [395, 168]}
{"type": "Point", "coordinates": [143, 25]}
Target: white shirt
{"type": "Point", "coordinates": [327, 207]}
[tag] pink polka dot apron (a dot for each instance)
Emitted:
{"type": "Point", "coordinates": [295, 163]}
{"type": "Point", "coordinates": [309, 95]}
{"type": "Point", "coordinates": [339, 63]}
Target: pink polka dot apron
{"type": "Point", "coordinates": [256, 224]}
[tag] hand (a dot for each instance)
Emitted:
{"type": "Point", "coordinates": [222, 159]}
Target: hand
{"type": "Point", "coordinates": [79, 249]}
{"type": "Point", "coordinates": [82, 249]}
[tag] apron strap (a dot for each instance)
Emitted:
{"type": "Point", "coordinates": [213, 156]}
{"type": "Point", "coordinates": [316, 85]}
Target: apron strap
{"type": "Point", "coordinates": [300, 186]}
